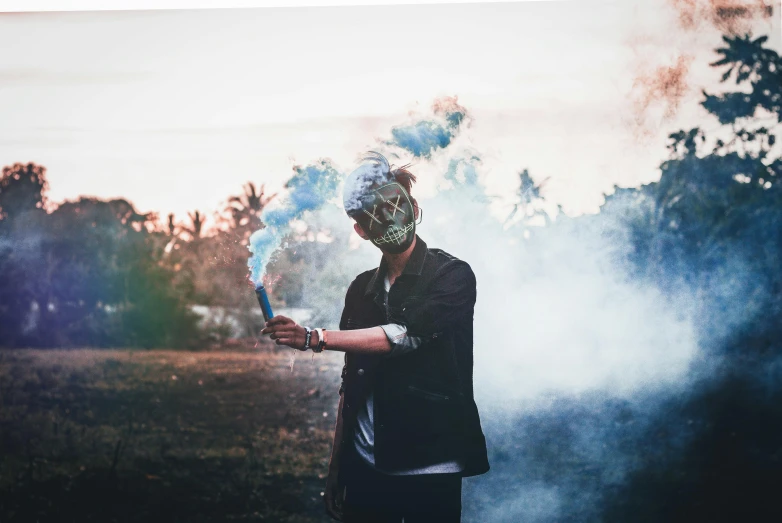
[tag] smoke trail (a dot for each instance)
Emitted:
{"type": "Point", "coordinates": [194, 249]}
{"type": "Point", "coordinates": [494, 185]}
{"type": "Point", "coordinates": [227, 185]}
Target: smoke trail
{"type": "Point", "coordinates": [727, 16]}
{"type": "Point", "coordinates": [464, 171]}
{"type": "Point", "coordinates": [573, 357]}
{"type": "Point", "coordinates": [309, 188]}
{"type": "Point", "coordinates": [426, 136]}
{"type": "Point", "coordinates": [667, 84]}
{"type": "Point", "coordinates": [576, 358]}
{"type": "Point", "coordinates": [314, 185]}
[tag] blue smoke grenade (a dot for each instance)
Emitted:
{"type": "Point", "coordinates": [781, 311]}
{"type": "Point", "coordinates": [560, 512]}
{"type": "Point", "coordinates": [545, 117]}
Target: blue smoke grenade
{"type": "Point", "coordinates": [263, 301]}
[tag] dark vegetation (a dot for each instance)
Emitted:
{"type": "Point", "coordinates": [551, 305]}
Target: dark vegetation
{"type": "Point", "coordinates": [712, 225]}
{"type": "Point", "coordinates": [98, 273]}
{"type": "Point", "coordinates": [88, 435]}
{"type": "Point", "coordinates": [715, 219]}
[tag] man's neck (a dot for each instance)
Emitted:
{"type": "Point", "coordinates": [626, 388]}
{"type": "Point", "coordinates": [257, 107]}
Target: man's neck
{"type": "Point", "coordinates": [396, 262]}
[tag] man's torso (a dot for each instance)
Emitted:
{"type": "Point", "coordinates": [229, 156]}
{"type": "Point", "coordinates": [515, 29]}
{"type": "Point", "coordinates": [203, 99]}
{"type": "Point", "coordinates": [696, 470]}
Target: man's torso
{"type": "Point", "coordinates": [423, 408]}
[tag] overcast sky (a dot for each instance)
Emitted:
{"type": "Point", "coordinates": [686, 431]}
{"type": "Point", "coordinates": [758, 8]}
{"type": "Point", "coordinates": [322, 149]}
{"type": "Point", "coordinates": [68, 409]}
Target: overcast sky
{"type": "Point", "coordinates": [175, 110]}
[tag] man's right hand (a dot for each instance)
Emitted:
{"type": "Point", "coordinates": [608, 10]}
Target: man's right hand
{"type": "Point", "coordinates": [333, 496]}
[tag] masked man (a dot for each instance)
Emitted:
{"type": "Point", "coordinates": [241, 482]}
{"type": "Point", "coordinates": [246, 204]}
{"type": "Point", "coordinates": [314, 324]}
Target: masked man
{"type": "Point", "coordinates": [408, 428]}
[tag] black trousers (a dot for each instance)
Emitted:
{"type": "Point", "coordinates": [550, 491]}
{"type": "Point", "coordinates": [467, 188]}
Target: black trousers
{"type": "Point", "coordinates": [373, 497]}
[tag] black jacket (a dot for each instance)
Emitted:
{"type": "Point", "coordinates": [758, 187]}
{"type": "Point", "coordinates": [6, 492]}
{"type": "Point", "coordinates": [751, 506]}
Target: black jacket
{"type": "Point", "coordinates": [425, 412]}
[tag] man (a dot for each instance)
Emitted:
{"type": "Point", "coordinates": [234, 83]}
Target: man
{"type": "Point", "coordinates": [407, 427]}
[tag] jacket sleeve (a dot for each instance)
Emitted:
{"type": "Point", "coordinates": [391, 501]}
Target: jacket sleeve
{"type": "Point", "coordinates": [343, 321]}
{"type": "Point", "coordinates": [449, 299]}
{"type": "Point", "coordinates": [342, 326]}
{"type": "Point", "coordinates": [401, 342]}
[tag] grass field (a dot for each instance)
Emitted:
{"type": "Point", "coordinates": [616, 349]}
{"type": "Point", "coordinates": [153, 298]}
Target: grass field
{"type": "Point", "coordinates": [99, 435]}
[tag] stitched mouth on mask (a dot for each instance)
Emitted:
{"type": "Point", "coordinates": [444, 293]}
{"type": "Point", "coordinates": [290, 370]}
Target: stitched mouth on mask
{"type": "Point", "coordinates": [395, 235]}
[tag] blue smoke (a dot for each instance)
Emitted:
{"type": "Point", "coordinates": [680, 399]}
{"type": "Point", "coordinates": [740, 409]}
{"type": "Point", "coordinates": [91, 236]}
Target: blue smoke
{"type": "Point", "coordinates": [467, 175]}
{"type": "Point", "coordinates": [310, 187]}
{"type": "Point", "coordinates": [454, 118]}
{"type": "Point", "coordinates": [601, 379]}
{"type": "Point", "coordinates": [426, 136]}
{"type": "Point", "coordinates": [422, 138]}
{"type": "Point", "coordinates": [314, 185]}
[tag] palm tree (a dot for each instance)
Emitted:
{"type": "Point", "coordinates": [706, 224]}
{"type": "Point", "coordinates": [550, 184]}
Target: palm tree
{"type": "Point", "coordinates": [198, 223]}
{"type": "Point", "coordinates": [246, 209]}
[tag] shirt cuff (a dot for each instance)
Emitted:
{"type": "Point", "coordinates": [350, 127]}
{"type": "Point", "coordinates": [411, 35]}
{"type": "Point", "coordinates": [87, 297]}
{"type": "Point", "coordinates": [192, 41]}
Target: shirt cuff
{"type": "Point", "coordinates": [400, 342]}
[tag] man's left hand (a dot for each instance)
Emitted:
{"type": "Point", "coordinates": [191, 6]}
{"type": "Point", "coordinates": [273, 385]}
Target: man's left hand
{"type": "Point", "coordinates": [285, 331]}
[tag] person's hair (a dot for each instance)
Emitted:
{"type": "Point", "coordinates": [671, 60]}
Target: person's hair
{"type": "Point", "coordinates": [404, 178]}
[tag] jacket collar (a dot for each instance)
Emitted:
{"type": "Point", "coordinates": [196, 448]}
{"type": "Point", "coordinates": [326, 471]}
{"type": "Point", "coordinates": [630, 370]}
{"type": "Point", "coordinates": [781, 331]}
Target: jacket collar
{"type": "Point", "coordinates": [413, 267]}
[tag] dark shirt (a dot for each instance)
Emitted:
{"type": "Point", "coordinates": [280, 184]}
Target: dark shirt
{"type": "Point", "coordinates": [424, 409]}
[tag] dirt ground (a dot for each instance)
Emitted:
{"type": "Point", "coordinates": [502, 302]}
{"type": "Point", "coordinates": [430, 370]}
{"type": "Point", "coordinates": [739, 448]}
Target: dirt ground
{"type": "Point", "coordinates": [108, 436]}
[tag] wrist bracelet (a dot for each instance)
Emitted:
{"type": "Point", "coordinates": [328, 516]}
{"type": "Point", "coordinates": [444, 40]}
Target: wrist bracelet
{"type": "Point", "coordinates": [307, 338]}
{"type": "Point", "coordinates": [319, 346]}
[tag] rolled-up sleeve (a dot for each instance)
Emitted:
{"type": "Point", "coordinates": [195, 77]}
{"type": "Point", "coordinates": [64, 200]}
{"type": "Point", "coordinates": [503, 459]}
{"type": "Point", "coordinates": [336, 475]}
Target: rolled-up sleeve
{"type": "Point", "coordinates": [400, 342]}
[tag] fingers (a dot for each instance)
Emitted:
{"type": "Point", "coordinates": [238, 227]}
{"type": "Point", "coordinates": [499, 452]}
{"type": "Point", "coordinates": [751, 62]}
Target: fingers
{"type": "Point", "coordinates": [280, 330]}
{"type": "Point", "coordinates": [285, 331]}
{"type": "Point", "coordinates": [279, 325]}
{"type": "Point", "coordinates": [279, 320]}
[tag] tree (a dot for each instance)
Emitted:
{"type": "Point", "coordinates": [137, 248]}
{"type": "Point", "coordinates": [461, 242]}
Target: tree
{"type": "Point", "coordinates": [22, 199]}
{"type": "Point", "coordinates": [245, 210]}
{"type": "Point", "coordinates": [22, 188]}
{"type": "Point", "coordinates": [88, 273]}
{"type": "Point", "coordinates": [197, 222]}
{"type": "Point", "coordinates": [716, 192]}
{"type": "Point", "coordinates": [713, 222]}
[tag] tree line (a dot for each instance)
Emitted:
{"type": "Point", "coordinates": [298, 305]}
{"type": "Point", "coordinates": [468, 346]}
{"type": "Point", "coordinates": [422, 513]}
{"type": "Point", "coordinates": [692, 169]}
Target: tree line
{"type": "Point", "coordinates": [93, 272]}
{"type": "Point", "coordinates": [710, 228]}
{"type": "Point", "coordinates": [713, 224]}
{"type": "Point", "coordinates": [98, 273]}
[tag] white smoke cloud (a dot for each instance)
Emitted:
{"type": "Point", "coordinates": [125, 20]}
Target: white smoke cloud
{"type": "Point", "coordinates": [560, 323]}
{"type": "Point", "coordinates": [556, 313]}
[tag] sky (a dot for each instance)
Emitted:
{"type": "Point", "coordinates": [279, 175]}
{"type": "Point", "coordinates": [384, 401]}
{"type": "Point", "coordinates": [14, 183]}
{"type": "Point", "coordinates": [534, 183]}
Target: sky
{"type": "Point", "coordinates": [175, 110]}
